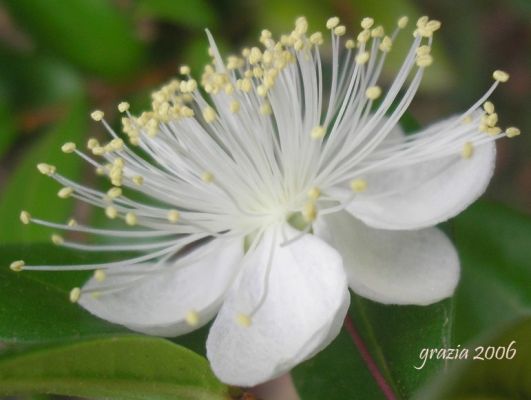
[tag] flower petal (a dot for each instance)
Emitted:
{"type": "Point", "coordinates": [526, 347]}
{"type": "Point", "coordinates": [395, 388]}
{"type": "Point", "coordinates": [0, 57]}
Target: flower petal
{"type": "Point", "coordinates": [426, 193]}
{"type": "Point", "coordinates": [160, 303]}
{"type": "Point", "coordinates": [304, 306]}
{"type": "Point", "coordinates": [408, 267]}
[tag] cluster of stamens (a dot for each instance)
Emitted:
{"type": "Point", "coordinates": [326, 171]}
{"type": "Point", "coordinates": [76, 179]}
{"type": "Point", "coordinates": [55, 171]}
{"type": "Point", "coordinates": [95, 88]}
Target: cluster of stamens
{"type": "Point", "coordinates": [235, 152]}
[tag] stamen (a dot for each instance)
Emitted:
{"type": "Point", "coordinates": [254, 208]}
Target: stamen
{"type": "Point", "coordinates": [358, 185]}
{"type": "Point", "coordinates": [244, 320]}
{"type": "Point", "coordinates": [500, 76]}
{"type": "Point", "coordinates": [467, 151]}
{"type": "Point", "coordinates": [309, 211]}
{"type": "Point", "coordinates": [25, 217]}
{"type": "Point", "coordinates": [57, 239]}
{"type": "Point", "coordinates": [314, 193]}
{"type": "Point", "coordinates": [65, 192]}
{"type": "Point", "coordinates": [192, 318]}
{"type": "Point", "coordinates": [174, 216]}
{"type": "Point", "coordinates": [17, 266]}
{"type": "Point", "coordinates": [97, 115]}
{"type": "Point", "coordinates": [69, 147]}
{"type": "Point", "coordinates": [100, 275]}
{"type": "Point", "coordinates": [46, 169]}
{"type": "Point", "coordinates": [75, 295]}
{"type": "Point", "coordinates": [512, 132]}
{"type": "Point", "coordinates": [123, 106]}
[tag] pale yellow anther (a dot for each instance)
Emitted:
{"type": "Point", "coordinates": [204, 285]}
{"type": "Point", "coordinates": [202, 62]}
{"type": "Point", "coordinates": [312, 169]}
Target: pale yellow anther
{"type": "Point", "coordinates": [97, 115]}
{"type": "Point", "coordinates": [69, 147]}
{"type": "Point", "coordinates": [265, 108]}
{"type": "Point", "coordinates": [332, 22]}
{"type": "Point", "coordinates": [261, 90]}
{"type": "Point", "coordinates": [500, 76]}
{"type": "Point", "coordinates": [358, 185]}
{"type": "Point", "coordinates": [228, 88]}
{"type": "Point", "coordinates": [492, 119]}
{"type": "Point", "coordinates": [402, 22]}
{"type": "Point", "coordinates": [340, 30]}
{"type": "Point", "coordinates": [209, 114]}
{"type": "Point", "coordinates": [246, 85]}
{"type": "Point", "coordinates": [234, 106]}
{"type": "Point", "coordinates": [116, 144]}
{"type": "Point", "coordinates": [191, 85]}
{"type": "Point", "coordinates": [350, 44]}
{"type": "Point", "coordinates": [362, 57]}
{"type": "Point", "coordinates": [71, 222]}
{"type": "Point", "coordinates": [367, 23]}
{"type": "Point", "coordinates": [92, 143]}
{"type": "Point", "coordinates": [467, 151]}
{"type": "Point", "coordinates": [309, 211]}
{"type": "Point", "coordinates": [488, 106]}
{"type": "Point", "coordinates": [244, 320]}
{"type": "Point", "coordinates": [114, 192]}
{"type": "Point", "coordinates": [57, 239]}
{"type": "Point", "coordinates": [316, 38]}
{"type": "Point", "coordinates": [493, 130]}
{"type": "Point", "coordinates": [46, 169]}
{"type": "Point", "coordinates": [423, 50]}
{"type": "Point", "coordinates": [17, 266]}
{"type": "Point", "coordinates": [111, 212]}
{"type": "Point", "coordinates": [386, 44]}
{"type": "Point", "coordinates": [207, 177]}
{"type": "Point", "coordinates": [131, 218]}
{"type": "Point", "coordinates": [123, 106]}
{"type": "Point", "coordinates": [424, 61]}
{"type": "Point", "coordinates": [378, 32]}
{"type": "Point", "coordinates": [100, 275]}
{"type": "Point", "coordinates": [255, 56]}
{"type": "Point", "coordinates": [364, 36]}
{"type": "Point", "coordinates": [184, 70]}
{"type": "Point", "coordinates": [433, 25]}
{"type": "Point", "coordinates": [173, 216]}
{"type": "Point", "coordinates": [98, 151]}
{"type": "Point", "coordinates": [422, 21]}
{"type": "Point", "coordinates": [318, 132]}
{"type": "Point", "coordinates": [100, 171]}
{"type": "Point", "coordinates": [314, 193]}
{"type": "Point", "coordinates": [373, 92]}
{"type": "Point", "coordinates": [512, 131]}
{"type": "Point", "coordinates": [65, 192]}
{"type": "Point", "coordinates": [75, 295]}
{"type": "Point", "coordinates": [25, 217]}
{"type": "Point", "coordinates": [192, 318]}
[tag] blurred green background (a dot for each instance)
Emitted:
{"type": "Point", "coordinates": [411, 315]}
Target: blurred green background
{"type": "Point", "coordinates": [61, 59]}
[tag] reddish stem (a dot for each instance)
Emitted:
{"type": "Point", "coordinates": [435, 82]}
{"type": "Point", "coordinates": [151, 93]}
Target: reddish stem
{"type": "Point", "coordinates": [367, 358]}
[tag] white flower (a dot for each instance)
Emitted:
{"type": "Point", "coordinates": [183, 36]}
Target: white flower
{"type": "Point", "coordinates": [274, 192]}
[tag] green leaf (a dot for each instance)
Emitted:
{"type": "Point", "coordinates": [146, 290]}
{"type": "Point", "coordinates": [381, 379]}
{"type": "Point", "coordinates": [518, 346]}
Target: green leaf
{"type": "Point", "coordinates": [191, 13]}
{"type": "Point", "coordinates": [92, 34]}
{"type": "Point", "coordinates": [508, 378]}
{"type": "Point", "coordinates": [128, 367]}
{"type": "Point", "coordinates": [8, 132]}
{"type": "Point", "coordinates": [493, 243]}
{"type": "Point", "coordinates": [27, 189]}
{"type": "Point", "coordinates": [394, 335]}
{"type": "Point", "coordinates": [34, 306]}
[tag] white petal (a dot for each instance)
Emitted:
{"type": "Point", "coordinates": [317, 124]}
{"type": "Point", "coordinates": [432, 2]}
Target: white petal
{"type": "Point", "coordinates": [426, 193]}
{"type": "Point", "coordinates": [159, 304]}
{"type": "Point", "coordinates": [393, 267]}
{"type": "Point", "coordinates": [303, 310]}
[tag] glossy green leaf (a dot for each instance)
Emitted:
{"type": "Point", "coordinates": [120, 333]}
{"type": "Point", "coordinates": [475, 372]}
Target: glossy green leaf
{"type": "Point", "coordinates": [394, 335]}
{"type": "Point", "coordinates": [8, 132]}
{"type": "Point", "coordinates": [191, 13]}
{"type": "Point", "coordinates": [494, 247]}
{"type": "Point", "coordinates": [28, 190]}
{"type": "Point", "coordinates": [490, 378]}
{"type": "Point", "coordinates": [128, 367]}
{"type": "Point", "coordinates": [34, 306]}
{"type": "Point", "coordinates": [92, 34]}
